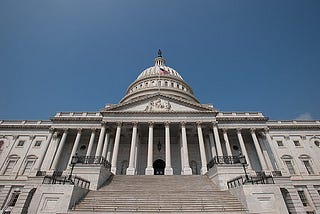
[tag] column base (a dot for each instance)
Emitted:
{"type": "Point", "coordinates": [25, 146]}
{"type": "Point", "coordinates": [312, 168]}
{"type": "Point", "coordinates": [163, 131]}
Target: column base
{"type": "Point", "coordinates": [168, 171]}
{"type": "Point", "coordinates": [149, 171]}
{"type": "Point", "coordinates": [204, 170]}
{"type": "Point", "coordinates": [114, 170]}
{"type": "Point", "coordinates": [131, 171]}
{"type": "Point", "coordinates": [187, 171]}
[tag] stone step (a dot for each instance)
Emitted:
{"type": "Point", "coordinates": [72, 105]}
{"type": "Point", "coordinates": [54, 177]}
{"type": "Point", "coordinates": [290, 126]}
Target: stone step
{"type": "Point", "coordinates": [159, 194]}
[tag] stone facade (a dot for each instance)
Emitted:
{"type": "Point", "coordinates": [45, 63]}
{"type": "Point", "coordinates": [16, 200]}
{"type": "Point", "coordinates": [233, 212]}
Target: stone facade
{"type": "Point", "coordinates": [159, 127]}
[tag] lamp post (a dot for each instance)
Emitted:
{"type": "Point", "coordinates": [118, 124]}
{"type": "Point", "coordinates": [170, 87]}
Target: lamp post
{"type": "Point", "coordinates": [74, 160]}
{"type": "Point", "coordinates": [243, 161]}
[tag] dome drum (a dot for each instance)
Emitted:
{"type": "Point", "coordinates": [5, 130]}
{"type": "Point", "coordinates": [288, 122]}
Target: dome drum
{"type": "Point", "coordinates": [159, 79]}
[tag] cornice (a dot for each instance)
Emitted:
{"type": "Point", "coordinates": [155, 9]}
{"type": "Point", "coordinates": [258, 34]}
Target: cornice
{"type": "Point", "coordinates": [189, 104]}
{"type": "Point", "coordinates": [25, 126]}
{"type": "Point", "coordinates": [75, 119]}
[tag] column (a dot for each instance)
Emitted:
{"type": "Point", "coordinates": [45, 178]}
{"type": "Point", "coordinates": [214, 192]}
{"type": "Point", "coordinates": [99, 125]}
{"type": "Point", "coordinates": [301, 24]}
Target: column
{"type": "Point", "coordinates": [106, 144]}
{"type": "Point", "coordinates": [217, 139]}
{"type": "Point", "coordinates": [168, 170]}
{"type": "Point", "coordinates": [41, 158]}
{"type": "Point", "coordinates": [258, 149]}
{"type": "Point", "coordinates": [110, 148]}
{"type": "Point", "coordinates": [208, 148]}
{"type": "Point", "coordinates": [100, 141]}
{"type": "Point", "coordinates": [75, 146]}
{"type": "Point", "coordinates": [243, 148]}
{"type": "Point", "coordinates": [93, 134]}
{"type": "Point", "coordinates": [115, 150]}
{"type": "Point", "coordinates": [212, 144]}
{"type": "Point", "coordinates": [149, 169]}
{"type": "Point", "coordinates": [61, 144]}
{"type": "Point", "coordinates": [202, 150]}
{"type": "Point", "coordinates": [181, 153]}
{"type": "Point", "coordinates": [226, 139]}
{"type": "Point", "coordinates": [131, 169]}
{"type": "Point", "coordinates": [186, 166]}
{"type": "Point", "coordinates": [276, 159]}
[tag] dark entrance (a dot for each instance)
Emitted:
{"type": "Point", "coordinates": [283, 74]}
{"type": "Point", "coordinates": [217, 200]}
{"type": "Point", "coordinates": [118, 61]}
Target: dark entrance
{"type": "Point", "coordinates": [158, 167]}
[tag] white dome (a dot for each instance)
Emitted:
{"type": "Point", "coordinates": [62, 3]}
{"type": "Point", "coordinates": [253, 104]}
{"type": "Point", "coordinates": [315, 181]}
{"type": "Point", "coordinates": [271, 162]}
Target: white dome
{"type": "Point", "coordinates": [159, 79]}
{"type": "Point", "coordinates": [156, 70]}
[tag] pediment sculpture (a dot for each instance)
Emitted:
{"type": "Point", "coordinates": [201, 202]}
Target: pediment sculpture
{"type": "Point", "coordinates": [158, 105]}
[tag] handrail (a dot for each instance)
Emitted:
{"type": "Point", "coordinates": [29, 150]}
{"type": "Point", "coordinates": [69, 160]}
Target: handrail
{"type": "Point", "coordinates": [74, 180]}
{"type": "Point", "coordinates": [262, 178]}
{"type": "Point", "coordinates": [217, 160]}
{"type": "Point", "coordinates": [99, 160]}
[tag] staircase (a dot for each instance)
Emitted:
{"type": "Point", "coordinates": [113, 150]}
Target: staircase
{"type": "Point", "coordinates": [152, 194]}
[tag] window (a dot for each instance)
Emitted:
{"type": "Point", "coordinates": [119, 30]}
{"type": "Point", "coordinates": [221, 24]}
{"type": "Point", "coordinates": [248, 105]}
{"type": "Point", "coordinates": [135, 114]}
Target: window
{"type": "Point", "coordinates": [280, 143]}
{"type": "Point", "coordinates": [10, 166]}
{"type": "Point", "coordinates": [317, 143]}
{"type": "Point", "coordinates": [14, 198]}
{"type": "Point", "coordinates": [303, 198]}
{"type": "Point", "coordinates": [21, 143]}
{"type": "Point", "coordinates": [1, 144]}
{"type": "Point", "coordinates": [308, 167]}
{"type": "Point", "coordinates": [28, 167]}
{"type": "Point", "coordinates": [37, 143]}
{"type": "Point", "coordinates": [290, 167]}
{"type": "Point", "coordinates": [296, 143]}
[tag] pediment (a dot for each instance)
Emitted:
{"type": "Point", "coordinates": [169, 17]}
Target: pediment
{"type": "Point", "coordinates": [159, 103]}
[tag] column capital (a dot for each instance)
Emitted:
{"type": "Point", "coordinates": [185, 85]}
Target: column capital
{"type": "Point", "coordinates": [167, 124]}
{"type": "Point", "coordinates": [51, 129]}
{"type": "Point", "coordinates": [135, 124]}
{"type": "Point", "coordinates": [239, 130]}
{"type": "Point", "coordinates": [225, 130]}
{"type": "Point", "coordinates": [266, 130]}
{"type": "Point", "coordinates": [214, 123]}
{"type": "Point", "coordinates": [151, 123]}
{"type": "Point", "coordinates": [183, 123]}
{"type": "Point", "coordinates": [14, 137]}
{"type": "Point", "coordinates": [253, 130]}
{"type": "Point", "coordinates": [199, 123]}
{"type": "Point", "coordinates": [119, 123]}
{"type": "Point", "coordinates": [32, 137]}
{"type": "Point", "coordinates": [65, 130]}
{"type": "Point", "coordinates": [93, 129]}
{"type": "Point", "coordinates": [79, 130]}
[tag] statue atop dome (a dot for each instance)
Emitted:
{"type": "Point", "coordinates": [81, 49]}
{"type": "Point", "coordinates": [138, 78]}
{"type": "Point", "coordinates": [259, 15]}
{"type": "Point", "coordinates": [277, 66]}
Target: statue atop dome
{"type": "Point", "coordinates": [159, 53]}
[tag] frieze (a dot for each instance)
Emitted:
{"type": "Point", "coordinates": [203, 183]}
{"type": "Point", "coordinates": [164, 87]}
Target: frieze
{"type": "Point", "coordinates": [158, 105]}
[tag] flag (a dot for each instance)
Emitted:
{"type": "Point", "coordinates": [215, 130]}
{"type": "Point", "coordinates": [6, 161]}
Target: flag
{"type": "Point", "coordinates": [163, 71]}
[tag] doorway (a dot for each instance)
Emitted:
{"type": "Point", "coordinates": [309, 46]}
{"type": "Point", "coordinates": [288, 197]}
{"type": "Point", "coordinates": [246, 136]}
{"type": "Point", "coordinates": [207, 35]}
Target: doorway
{"type": "Point", "coordinates": [158, 167]}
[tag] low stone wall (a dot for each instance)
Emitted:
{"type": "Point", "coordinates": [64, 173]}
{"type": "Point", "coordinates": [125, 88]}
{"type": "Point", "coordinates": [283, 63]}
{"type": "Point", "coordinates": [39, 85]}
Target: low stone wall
{"type": "Point", "coordinates": [261, 198]}
{"type": "Point", "coordinates": [55, 198]}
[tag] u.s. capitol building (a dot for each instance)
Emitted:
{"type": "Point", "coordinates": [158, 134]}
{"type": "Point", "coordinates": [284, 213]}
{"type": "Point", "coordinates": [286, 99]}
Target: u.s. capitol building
{"type": "Point", "coordinates": [159, 150]}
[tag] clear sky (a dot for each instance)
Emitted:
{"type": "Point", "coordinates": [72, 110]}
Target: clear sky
{"type": "Point", "coordinates": [78, 55]}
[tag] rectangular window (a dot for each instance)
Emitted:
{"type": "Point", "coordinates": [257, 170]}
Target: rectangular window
{"type": "Point", "coordinates": [296, 143]}
{"type": "Point", "coordinates": [303, 198]}
{"type": "Point", "coordinates": [14, 198]}
{"type": "Point", "coordinates": [37, 143]}
{"type": "Point", "coordinates": [280, 143]}
{"type": "Point", "coordinates": [9, 167]}
{"type": "Point", "coordinates": [21, 143]}
{"type": "Point", "coordinates": [308, 167]}
{"type": "Point", "coordinates": [290, 167]}
{"type": "Point", "coordinates": [28, 167]}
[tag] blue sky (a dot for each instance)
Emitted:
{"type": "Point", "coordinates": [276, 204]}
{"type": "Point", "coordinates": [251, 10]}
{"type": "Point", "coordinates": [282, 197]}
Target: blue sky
{"type": "Point", "coordinates": [78, 55]}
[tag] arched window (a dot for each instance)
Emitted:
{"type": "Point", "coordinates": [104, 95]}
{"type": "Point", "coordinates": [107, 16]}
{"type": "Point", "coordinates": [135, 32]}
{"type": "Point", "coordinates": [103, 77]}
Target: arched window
{"type": "Point", "coordinates": [124, 166]}
{"type": "Point", "coordinates": [29, 163]}
{"type": "Point", "coordinates": [288, 160]}
{"type": "Point", "coordinates": [306, 160]}
{"type": "Point", "coordinates": [10, 164]}
{"type": "Point", "coordinates": [194, 167]}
